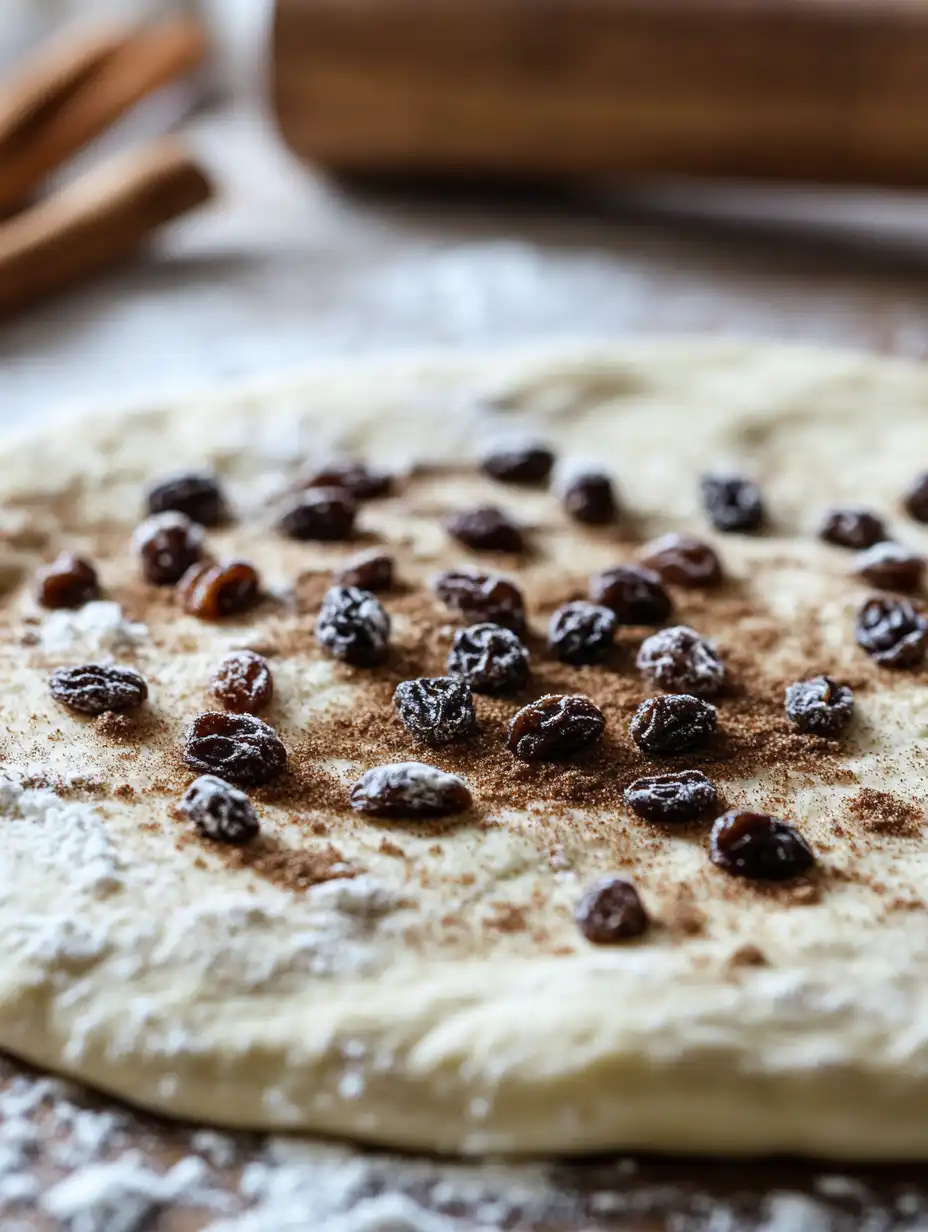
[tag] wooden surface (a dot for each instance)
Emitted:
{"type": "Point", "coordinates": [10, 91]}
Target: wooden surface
{"type": "Point", "coordinates": [288, 268]}
{"type": "Point", "coordinates": [821, 90]}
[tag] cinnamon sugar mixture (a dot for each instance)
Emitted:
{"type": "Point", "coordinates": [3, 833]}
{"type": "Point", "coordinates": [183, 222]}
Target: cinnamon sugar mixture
{"type": "Point", "coordinates": [337, 721]}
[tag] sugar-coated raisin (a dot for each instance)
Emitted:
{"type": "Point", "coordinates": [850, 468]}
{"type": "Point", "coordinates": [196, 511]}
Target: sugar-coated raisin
{"type": "Point", "coordinates": [410, 789]}
{"type": "Point", "coordinates": [353, 626]}
{"type": "Point", "coordinates": [436, 709]}
{"type": "Point", "coordinates": [555, 726]}
{"type": "Point", "coordinates": [219, 810]}
{"type": "Point", "coordinates": [237, 747]}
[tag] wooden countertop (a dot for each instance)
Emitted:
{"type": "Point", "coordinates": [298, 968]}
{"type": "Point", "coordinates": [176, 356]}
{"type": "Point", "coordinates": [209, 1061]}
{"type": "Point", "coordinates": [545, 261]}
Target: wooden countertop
{"type": "Point", "coordinates": [291, 268]}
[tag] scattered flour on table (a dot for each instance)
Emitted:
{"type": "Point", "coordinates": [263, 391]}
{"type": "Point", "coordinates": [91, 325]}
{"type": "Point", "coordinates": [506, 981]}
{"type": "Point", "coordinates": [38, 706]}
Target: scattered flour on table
{"type": "Point", "coordinates": [103, 1183]}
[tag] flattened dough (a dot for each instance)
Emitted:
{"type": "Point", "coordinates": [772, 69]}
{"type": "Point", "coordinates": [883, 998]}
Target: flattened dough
{"type": "Point", "coordinates": [441, 998]}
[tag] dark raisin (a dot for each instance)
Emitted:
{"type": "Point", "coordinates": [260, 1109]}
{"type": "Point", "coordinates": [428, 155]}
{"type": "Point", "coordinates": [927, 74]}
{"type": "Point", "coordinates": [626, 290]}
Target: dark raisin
{"type": "Point", "coordinates": [243, 682]}
{"type": "Point", "coordinates": [322, 514]}
{"type": "Point", "coordinates": [590, 498]}
{"type": "Point", "coordinates": [435, 709]}
{"type": "Point", "coordinates": [635, 595]}
{"type": "Point", "coordinates": [237, 747]}
{"type": "Point", "coordinates": [482, 597]}
{"type": "Point", "coordinates": [95, 687]}
{"type": "Point", "coordinates": [756, 845]}
{"type": "Point", "coordinates": [212, 591]}
{"type": "Point", "coordinates": [732, 502]}
{"type": "Point", "coordinates": [371, 570]}
{"type": "Point", "coordinates": [890, 566]}
{"type": "Point", "coordinates": [581, 633]}
{"type": "Point", "coordinates": [356, 478]}
{"type": "Point", "coordinates": [485, 529]}
{"type": "Point", "coordinates": [680, 661]}
{"type": "Point", "coordinates": [410, 789]}
{"type": "Point", "coordinates": [555, 726]}
{"type": "Point", "coordinates": [819, 706]}
{"type": "Point", "coordinates": [490, 658]}
{"type": "Point", "coordinates": [353, 626]}
{"type": "Point", "coordinates": [197, 494]}
{"type": "Point", "coordinates": [167, 545]}
{"type": "Point", "coordinates": [672, 798]}
{"type": "Point", "coordinates": [682, 560]}
{"type": "Point", "coordinates": [892, 632]}
{"type": "Point", "coordinates": [611, 911]}
{"type": "Point", "coordinates": [852, 527]}
{"type": "Point", "coordinates": [915, 500]}
{"type": "Point", "coordinates": [672, 723]}
{"type": "Point", "coordinates": [519, 464]}
{"type": "Point", "coordinates": [68, 581]}
{"type": "Point", "coordinates": [219, 810]}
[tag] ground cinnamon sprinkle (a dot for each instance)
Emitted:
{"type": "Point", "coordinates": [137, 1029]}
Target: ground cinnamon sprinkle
{"type": "Point", "coordinates": [884, 813]}
{"type": "Point", "coordinates": [290, 868]}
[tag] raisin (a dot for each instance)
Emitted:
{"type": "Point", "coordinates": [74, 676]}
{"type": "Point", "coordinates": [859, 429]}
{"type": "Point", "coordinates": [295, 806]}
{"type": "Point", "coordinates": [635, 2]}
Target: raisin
{"type": "Point", "coordinates": [356, 478]}
{"type": "Point", "coordinates": [672, 723]}
{"type": "Point", "coordinates": [555, 726]}
{"type": "Point", "coordinates": [680, 661]}
{"type": "Point", "coordinates": [167, 545]}
{"type": "Point", "coordinates": [485, 529]}
{"type": "Point", "coordinates": [890, 566]}
{"type": "Point", "coordinates": [490, 658]}
{"type": "Point", "coordinates": [243, 682]}
{"type": "Point", "coordinates": [819, 706]}
{"type": "Point", "coordinates": [527, 463]}
{"type": "Point", "coordinates": [581, 633]}
{"type": "Point", "coordinates": [756, 845]}
{"type": "Point", "coordinates": [915, 500]}
{"type": "Point", "coordinates": [590, 498]}
{"type": "Point", "coordinates": [672, 798]}
{"type": "Point", "coordinates": [435, 709]}
{"type": "Point", "coordinates": [732, 503]}
{"type": "Point", "coordinates": [892, 632]}
{"type": "Point", "coordinates": [219, 810]}
{"type": "Point", "coordinates": [410, 789]}
{"type": "Point", "coordinates": [682, 560]}
{"type": "Point", "coordinates": [852, 527]}
{"type": "Point", "coordinates": [482, 598]}
{"type": "Point", "coordinates": [353, 626]}
{"type": "Point", "coordinates": [372, 570]}
{"type": "Point", "coordinates": [635, 595]}
{"type": "Point", "coordinates": [212, 591]}
{"type": "Point", "coordinates": [95, 688]}
{"type": "Point", "coordinates": [323, 514]}
{"type": "Point", "coordinates": [197, 494]}
{"type": "Point", "coordinates": [611, 911]}
{"type": "Point", "coordinates": [236, 747]}
{"type": "Point", "coordinates": [68, 581]}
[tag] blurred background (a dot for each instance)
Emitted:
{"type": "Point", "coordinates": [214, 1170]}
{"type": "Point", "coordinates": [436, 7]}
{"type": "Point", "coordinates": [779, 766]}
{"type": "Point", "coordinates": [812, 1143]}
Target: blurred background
{"type": "Point", "coordinates": [473, 174]}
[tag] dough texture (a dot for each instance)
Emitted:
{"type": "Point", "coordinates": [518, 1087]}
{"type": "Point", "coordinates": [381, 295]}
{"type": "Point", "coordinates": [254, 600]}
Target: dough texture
{"type": "Point", "coordinates": [424, 984]}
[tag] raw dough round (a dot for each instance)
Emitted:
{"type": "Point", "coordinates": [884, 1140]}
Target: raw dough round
{"type": "Point", "coordinates": [425, 985]}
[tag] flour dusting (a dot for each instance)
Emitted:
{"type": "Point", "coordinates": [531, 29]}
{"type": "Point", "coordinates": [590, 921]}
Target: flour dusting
{"type": "Point", "coordinates": [95, 628]}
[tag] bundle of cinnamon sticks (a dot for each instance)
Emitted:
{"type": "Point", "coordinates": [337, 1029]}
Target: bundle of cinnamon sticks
{"type": "Point", "coordinates": [69, 93]}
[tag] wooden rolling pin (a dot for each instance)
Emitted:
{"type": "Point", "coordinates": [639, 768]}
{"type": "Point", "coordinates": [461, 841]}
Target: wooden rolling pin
{"type": "Point", "coordinates": [817, 90]}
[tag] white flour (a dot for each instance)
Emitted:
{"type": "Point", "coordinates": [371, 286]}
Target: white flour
{"type": "Point", "coordinates": [96, 628]}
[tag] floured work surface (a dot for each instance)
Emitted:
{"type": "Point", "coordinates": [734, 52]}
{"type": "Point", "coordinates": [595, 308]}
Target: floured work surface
{"type": "Point", "coordinates": [425, 983]}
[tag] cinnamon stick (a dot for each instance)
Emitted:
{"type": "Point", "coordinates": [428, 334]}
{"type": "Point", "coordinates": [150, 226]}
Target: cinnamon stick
{"type": "Point", "coordinates": [47, 81]}
{"type": "Point", "coordinates": [97, 221]}
{"type": "Point", "coordinates": [82, 99]}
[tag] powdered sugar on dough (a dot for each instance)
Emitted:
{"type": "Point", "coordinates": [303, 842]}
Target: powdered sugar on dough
{"type": "Point", "coordinates": [434, 992]}
{"type": "Point", "coordinates": [97, 627]}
